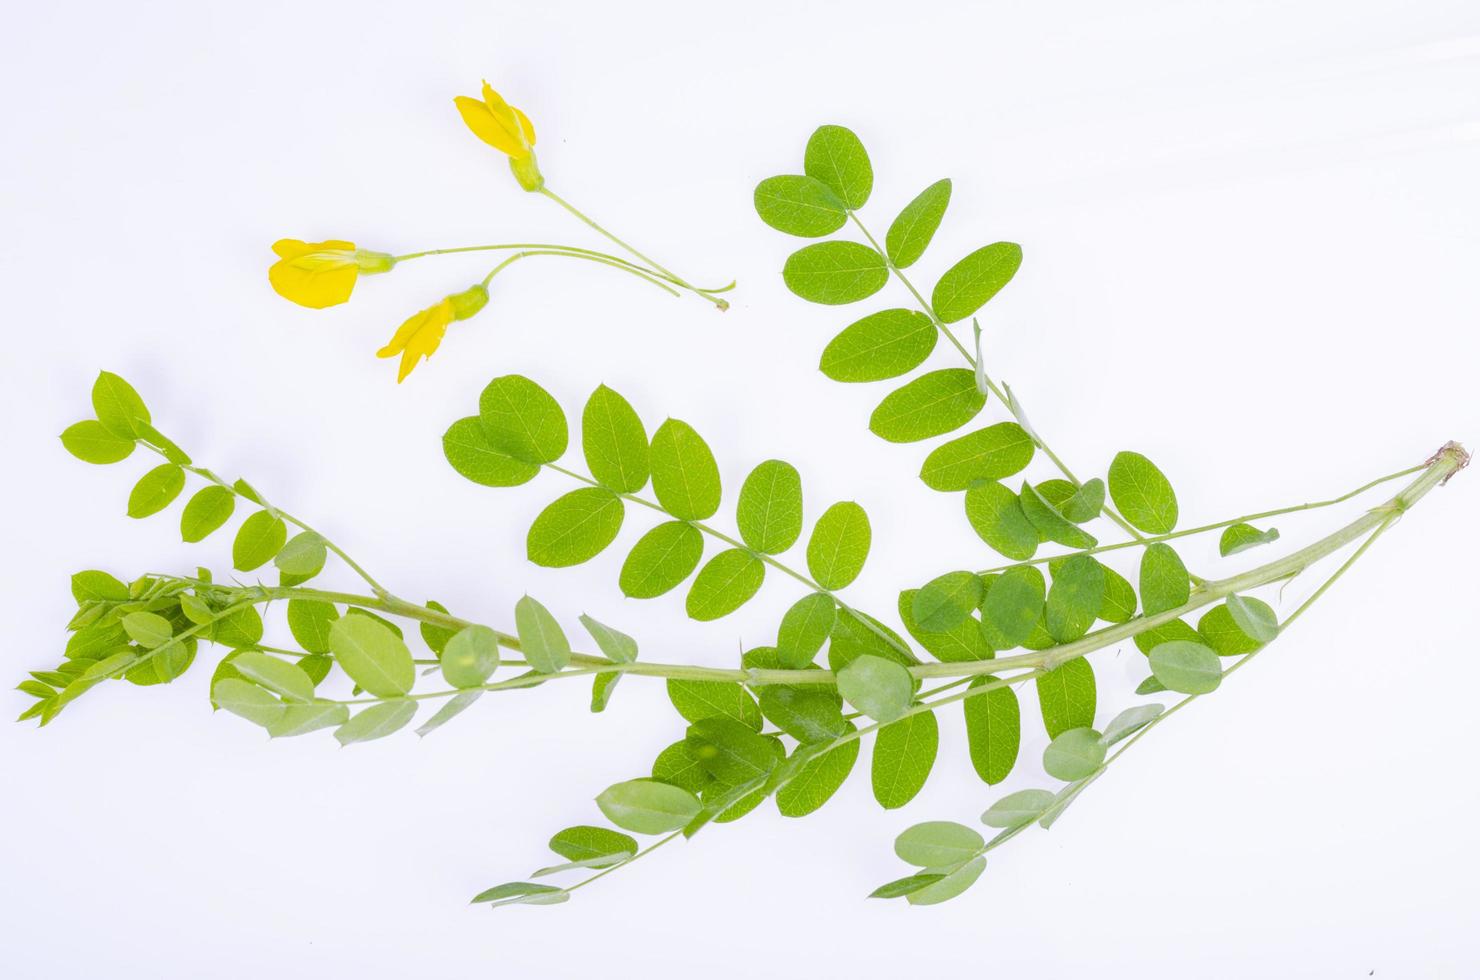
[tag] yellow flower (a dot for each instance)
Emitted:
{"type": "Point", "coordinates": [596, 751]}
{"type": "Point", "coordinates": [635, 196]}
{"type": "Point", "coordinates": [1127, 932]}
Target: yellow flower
{"type": "Point", "coordinates": [320, 274]}
{"type": "Point", "coordinates": [507, 130]}
{"type": "Point", "coordinates": [422, 334]}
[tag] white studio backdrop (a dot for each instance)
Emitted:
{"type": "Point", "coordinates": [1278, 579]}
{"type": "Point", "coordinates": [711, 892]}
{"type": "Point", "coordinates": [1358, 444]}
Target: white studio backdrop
{"type": "Point", "coordinates": [1251, 252]}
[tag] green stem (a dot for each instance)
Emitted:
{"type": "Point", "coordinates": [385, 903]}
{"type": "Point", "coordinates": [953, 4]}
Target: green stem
{"type": "Point", "coordinates": [624, 267]}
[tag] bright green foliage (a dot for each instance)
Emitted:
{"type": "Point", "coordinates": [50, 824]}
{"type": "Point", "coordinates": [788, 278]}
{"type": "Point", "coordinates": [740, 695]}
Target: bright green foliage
{"type": "Point", "coordinates": [1016, 809]}
{"type": "Point", "coordinates": [661, 559]}
{"type": "Point", "coordinates": [258, 540]}
{"type": "Point", "coordinates": [1051, 525]}
{"type": "Point", "coordinates": [468, 448]}
{"type": "Point", "coordinates": [522, 420]}
{"type": "Point", "coordinates": [676, 767]}
{"type": "Point", "coordinates": [836, 157]}
{"type": "Point", "coordinates": [938, 844]}
{"type": "Point", "coordinates": [931, 405]}
{"type": "Point", "coordinates": [376, 721]}
{"type": "Point", "coordinates": [1012, 605]}
{"type": "Point", "coordinates": [1218, 630]}
{"type": "Point", "coordinates": [615, 645]}
{"type": "Point", "coordinates": [540, 637]}
{"type": "Point", "coordinates": [645, 806]}
{"type": "Point", "coordinates": [725, 583]}
{"type": "Point", "coordinates": [818, 780]}
{"type": "Point", "coordinates": [946, 601]}
{"type": "Point", "coordinates": [1165, 583]}
{"type": "Point", "coordinates": [835, 273]}
{"type": "Point", "coordinates": [696, 700]}
{"type": "Point", "coordinates": [769, 511]}
{"type": "Point", "coordinates": [91, 442]}
{"type": "Point", "coordinates": [685, 476]}
{"type": "Point", "coordinates": [962, 642]}
{"type": "Point", "coordinates": [1086, 502]}
{"type": "Point", "coordinates": [521, 893]}
{"type": "Point", "coordinates": [118, 407]}
{"type": "Point", "coordinates": [882, 345]}
{"type": "Point", "coordinates": [1066, 697]}
{"type": "Point", "coordinates": [614, 442]}
{"type": "Point", "coordinates": [373, 656]}
{"type": "Point", "coordinates": [450, 709]}
{"type": "Point", "coordinates": [302, 557]}
{"type": "Point", "coordinates": [950, 886]}
{"type": "Point", "coordinates": [1242, 537]}
{"type": "Point", "coordinates": [300, 719]}
{"type": "Point", "coordinates": [1142, 494]}
{"type": "Point", "coordinates": [880, 688]}
{"type": "Point", "coordinates": [246, 700]}
{"type": "Point", "coordinates": [809, 713]}
{"type": "Point", "coordinates": [1255, 618]}
{"type": "Point", "coordinates": [96, 585]}
{"type": "Point", "coordinates": [1075, 597]}
{"type": "Point", "coordinates": [1119, 604]}
{"type": "Point", "coordinates": [910, 233]}
{"type": "Point", "coordinates": [1186, 666]}
{"type": "Point", "coordinates": [967, 285]}
{"type": "Point", "coordinates": [470, 657]}
{"type": "Point", "coordinates": [156, 490]}
{"type": "Point", "coordinates": [804, 629]}
{"type": "Point", "coordinates": [729, 750]}
{"type": "Point", "coordinates": [904, 753]}
{"type": "Point", "coordinates": [585, 843]}
{"type": "Point", "coordinates": [241, 629]}
{"type": "Point", "coordinates": [310, 620]}
{"type": "Point", "coordinates": [1130, 721]}
{"type": "Point", "coordinates": [147, 629]}
{"type": "Point", "coordinates": [839, 545]}
{"type": "Point", "coordinates": [902, 887]}
{"type": "Point", "coordinates": [996, 515]}
{"type": "Point", "coordinates": [993, 730]}
{"type": "Point", "coordinates": [799, 205]}
{"type": "Point", "coordinates": [288, 681]}
{"type": "Point", "coordinates": [1074, 754]}
{"type": "Point", "coordinates": [575, 527]}
{"type": "Point", "coordinates": [993, 453]}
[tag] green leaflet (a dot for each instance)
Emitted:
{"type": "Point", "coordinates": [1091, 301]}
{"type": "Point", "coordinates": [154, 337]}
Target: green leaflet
{"type": "Point", "coordinates": [521, 893]}
{"type": "Point", "coordinates": [1086, 502]}
{"type": "Point", "coordinates": [1120, 597]}
{"type": "Point", "coordinates": [696, 700]}
{"type": "Point", "coordinates": [996, 515]}
{"type": "Point", "coordinates": [1218, 630]}
{"type": "Point", "coordinates": [1174, 630]}
{"type": "Point", "coordinates": [804, 629]}
{"type": "Point", "coordinates": [310, 620]}
{"type": "Point", "coordinates": [288, 681]}
{"type": "Point", "coordinates": [882, 345]}
{"type": "Point", "coordinates": [373, 656]}
{"type": "Point", "coordinates": [1186, 667]}
{"type": "Point", "coordinates": [247, 700]}
{"type": "Point", "coordinates": [946, 601]}
{"type": "Point", "coordinates": [685, 477]}
{"type": "Point", "coordinates": [1073, 755]}
{"type": "Point", "coordinates": [602, 686]}
{"type": "Point", "coordinates": [160, 441]}
{"type": "Point", "coordinates": [450, 709]}
{"type": "Point", "coordinates": [1012, 605]}
{"type": "Point", "coordinates": [376, 721]}
{"type": "Point", "coordinates": [544, 643]}
{"type": "Point", "coordinates": [522, 420]}
{"type": "Point", "coordinates": [147, 629]}
{"type": "Point", "coordinates": [1142, 494]}
{"type": "Point", "coordinates": [993, 730]}
{"type": "Point", "coordinates": [1253, 617]}
{"type": "Point", "coordinates": [901, 887]}
{"type": "Point", "coordinates": [676, 767]}
{"type": "Point", "coordinates": [96, 585]}
{"type": "Point", "coordinates": [1066, 697]}
{"type": "Point", "coordinates": [933, 404]}
{"type": "Point", "coordinates": [434, 636]}
{"type": "Point", "coordinates": [810, 713]}
{"type": "Point", "coordinates": [661, 559]}
{"type": "Point", "coordinates": [156, 490]}
{"type": "Point", "coordinates": [910, 233]}
{"type": "Point", "coordinates": [1242, 537]}
{"type": "Point", "coordinates": [91, 442]}
{"type": "Point", "coordinates": [993, 453]}
{"type": "Point", "coordinates": [836, 157]}
{"type": "Point", "coordinates": [938, 844]}
{"type": "Point", "coordinates": [769, 511]}
{"type": "Point", "coordinates": [645, 806]}
{"type": "Point", "coordinates": [470, 657]}
{"type": "Point", "coordinates": [726, 582]}
{"type": "Point", "coordinates": [575, 527]}
{"type": "Point", "coordinates": [585, 843]}
{"type": "Point", "coordinates": [615, 645]}
{"type": "Point", "coordinates": [1016, 809]}
{"type": "Point", "coordinates": [949, 886]}
{"type": "Point", "coordinates": [839, 545]}
{"type": "Point", "coordinates": [1165, 583]}
{"type": "Point", "coordinates": [960, 643]}
{"type": "Point", "coordinates": [880, 688]}
{"type": "Point", "coordinates": [472, 455]}
{"type": "Point", "coordinates": [302, 557]}
{"type": "Point", "coordinates": [1130, 721]}
{"type": "Point", "coordinates": [241, 629]}
{"type": "Point", "coordinates": [118, 407]}
{"type": "Point", "coordinates": [1075, 597]}
{"type": "Point", "coordinates": [967, 285]}
{"type": "Point", "coordinates": [300, 719]}
{"type": "Point", "coordinates": [614, 442]}
{"type": "Point", "coordinates": [835, 273]}
{"type": "Point", "coordinates": [799, 205]}
{"type": "Point", "coordinates": [1052, 525]}
{"type": "Point", "coordinates": [904, 753]}
{"type": "Point", "coordinates": [730, 751]}
{"type": "Point", "coordinates": [258, 540]}
{"type": "Point", "coordinates": [817, 780]}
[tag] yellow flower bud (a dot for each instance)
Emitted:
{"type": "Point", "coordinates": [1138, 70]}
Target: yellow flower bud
{"type": "Point", "coordinates": [320, 274]}
{"type": "Point", "coordinates": [506, 129]}
{"type": "Point", "coordinates": [422, 334]}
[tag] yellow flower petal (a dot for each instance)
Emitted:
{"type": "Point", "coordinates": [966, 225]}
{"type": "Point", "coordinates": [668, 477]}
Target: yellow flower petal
{"type": "Point", "coordinates": [314, 274]}
{"type": "Point", "coordinates": [419, 337]}
{"type": "Point", "coordinates": [481, 121]}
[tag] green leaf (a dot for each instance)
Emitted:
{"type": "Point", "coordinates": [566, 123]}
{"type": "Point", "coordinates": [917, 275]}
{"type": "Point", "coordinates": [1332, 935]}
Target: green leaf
{"type": "Point", "coordinates": [769, 512]}
{"type": "Point", "coordinates": [147, 629]}
{"type": "Point", "coordinates": [300, 719]}
{"type": "Point", "coordinates": [522, 893]}
{"type": "Point", "coordinates": [1242, 537]}
{"type": "Point", "coordinates": [614, 442]}
{"type": "Point", "coordinates": [811, 713]}
{"type": "Point", "coordinates": [91, 442]}
{"type": "Point", "coordinates": [685, 477]}
{"type": "Point", "coordinates": [434, 636]}
{"type": "Point", "coordinates": [856, 634]}
{"type": "Point", "coordinates": [996, 514]}
{"type": "Point", "coordinates": [839, 545]}
{"type": "Point", "coordinates": [467, 447]}
{"type": "Point", "coordinates": [1255, 618]}
{"type": "Point", "coordinates": [540, 637]}
{"type": "Point", "coordinates": [522, 420]}
{"type": "Point", "coordinates": [950, 886]}
{"type": "Point", "coordinates": [661, 559]}
{"type": "Point", "coordinates": [1218, 630]}
{"type": "Point", "coordinates": [993, 730]}
{"type": "Point", "coordinates": [470, 657]}
{"type": "Point", "coordinates": [1142, 495]}
{"type": "Point", "coordinates": [373, 656]}
{"type": "Point", "coordinates": [1051, 525]}
{"type": "Point", "coordinates": [602, 686]}
{"type": "Point", "coordinates": [804, 629]}
{"type": "Point", "coordinates": [586, 843]}
{"type": "Point", "coordinates": [310, 620]}
{"type": "Point", "coordinates": [938, 844]}
{"type": "Point", "coordinates": [961, 643]}
{"type": "Point", "coordinates": [880, 688]}
{"type": "Point", "coordinates": [911, 232]}
{"type": "Point", "coordinates": [617, 646]}
{"type": "Point", "coordinates": [818, 780]}
{"type": "Point", "coordinates": [1174, 630]}
{"type": "Point", "coordinates": [931, 405]}
{"type": "Point", "coordinates": [1130, 721]}
{"type": "Point", "coordinates": [156, 490]}
{"type": "Point", "coordinates": [676, 767]}
{"type": "Point", "coordinates": [645, 806]}
{"type": "Point", "coordinates": [1150, 686]}
{"type": "Point", "coordinates": [247, 700]}
{"type": "Point", "coordinates": [902, 887]}
{"type": "Point", "coordinates": [1012, 606]}
{"type": "Point", "coordinates": [946, 601]}
{"type": "Point", "coordinates": [1017, 809]}
{"type": "Point", "coordinates": [799, 205]}
{"type": "Point", "coordinates": [162, 442]}
{"type": "Point", "coordinates": [836, 157]}
{"type": "Point", "coordinates": [302, 557]}
{"type": "Point", "coordinates": [241, 629]}
{"type": "Point", "coordinates": [206, 511]}
{"type": "Point", "coordinates": [93, 585]}
{"type": "Point", "coordinates": [1066, 697]}
{"type": "Point", "coordinates": [726, 582]}
{"type": "Point", "coordinates": [730, 751]}
{"type": "Point", "coordinates": [993, 453]}
{"type": "Point", "coordinates": [119, 408]}
{"type": "Point", "coordinates": [1085, 503]}
{"type": "Point", "coordinates": [260, 537]}
{"type": "Point", "coordinates": [1074, 754]}
{"type": "Point", "coordinates": [450, 709]}
{"type": "Point", "coordinates": [967, 285]}
{"type": "Point", "coordinates": [575, 527]}
{"type": "Point", "coordinates": [882, 345]}
{"type": "Point", "coordinates": [1075, 597]}
{"type": "Point", "coordinates": [904, 753]}
{"type": "Point", "coordinates": [1165, 583]}
{"type": "Point", "coordinates": [1119, 604]}
{"type": "Point", "coordinates": [376, 721]}
{"type": "Point", "coordinates": [696, 700]}
{"type": "Point", "coordinates": [288, 681]}
{"type": "Point", "coordinates": [835, 273]}
{"type": "Point", "coordinates": [1186, 667]}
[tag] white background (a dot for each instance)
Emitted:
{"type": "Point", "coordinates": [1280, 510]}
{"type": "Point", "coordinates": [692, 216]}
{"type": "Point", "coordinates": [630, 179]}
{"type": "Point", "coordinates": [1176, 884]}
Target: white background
{"type": "Point", "coordinates": [1251, 253]}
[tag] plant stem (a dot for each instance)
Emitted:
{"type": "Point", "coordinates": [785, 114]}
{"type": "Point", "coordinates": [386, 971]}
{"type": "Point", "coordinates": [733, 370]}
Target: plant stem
{"type": "Point", "coordinates": [602, 260]}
